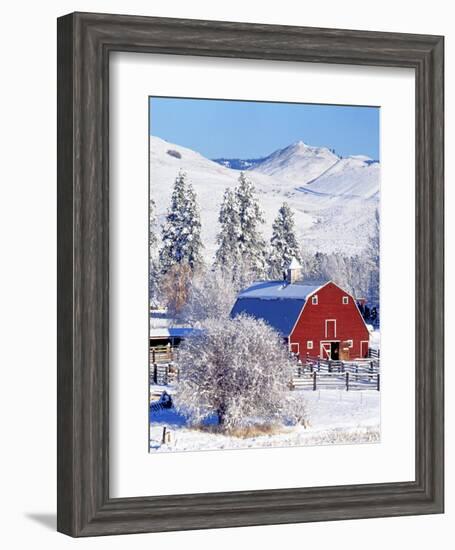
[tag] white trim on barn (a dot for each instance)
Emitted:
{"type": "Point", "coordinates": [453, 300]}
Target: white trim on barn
{"type": "Point", "coordinates": [293, 350]}
{"type": "Point", "coordinates": [307, 301]}
{"type": "Point", "coordinates": [329, 351]}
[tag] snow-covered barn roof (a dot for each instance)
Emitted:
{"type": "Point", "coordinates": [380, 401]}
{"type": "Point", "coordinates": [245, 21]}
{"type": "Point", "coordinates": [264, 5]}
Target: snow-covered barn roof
{"type": "Point", "coordinates": [272, 290]}
{"type": "Point", "coordinates": [172, 332]}
{"type": "Point", "coordinates": [276, 302]}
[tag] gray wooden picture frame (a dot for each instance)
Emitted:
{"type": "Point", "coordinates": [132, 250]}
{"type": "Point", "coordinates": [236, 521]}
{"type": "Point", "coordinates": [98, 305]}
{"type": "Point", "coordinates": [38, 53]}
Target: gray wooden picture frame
{"type": "Point", "coordinates": [85, 41]}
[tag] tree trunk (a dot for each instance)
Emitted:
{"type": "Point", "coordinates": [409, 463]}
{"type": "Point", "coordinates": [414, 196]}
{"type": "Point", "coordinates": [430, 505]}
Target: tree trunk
{"type": "Point", "coordinates": [221, 415]}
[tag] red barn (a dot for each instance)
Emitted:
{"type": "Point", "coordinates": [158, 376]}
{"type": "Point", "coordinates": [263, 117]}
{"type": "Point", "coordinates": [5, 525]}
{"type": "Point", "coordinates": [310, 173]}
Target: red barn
{"type": "Point", "coordinates": [315, 320]}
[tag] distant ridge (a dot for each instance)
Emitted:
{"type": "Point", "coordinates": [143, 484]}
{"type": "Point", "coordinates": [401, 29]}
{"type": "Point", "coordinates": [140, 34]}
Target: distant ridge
{"type": "Point", "coordinates": [238, 164]}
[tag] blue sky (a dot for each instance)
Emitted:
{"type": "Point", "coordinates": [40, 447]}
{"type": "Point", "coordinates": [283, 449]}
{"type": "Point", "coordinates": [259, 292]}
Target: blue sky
{"type": "Point", "coordinates": [249, 129]}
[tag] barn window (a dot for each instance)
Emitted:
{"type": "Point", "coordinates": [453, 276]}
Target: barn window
{"type": "Point", "coordinates": [309, 344]}
{"type": "Point", "coordinates": [314, 300]}
{"type": "Point", "coordinates": [345, 299]}
{"type": "Point", "coordinates": [295, 348]}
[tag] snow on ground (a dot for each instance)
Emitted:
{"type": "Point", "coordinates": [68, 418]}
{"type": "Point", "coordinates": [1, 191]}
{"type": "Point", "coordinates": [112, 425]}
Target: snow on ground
{"type": "Point", "coordinates": [335, 417]}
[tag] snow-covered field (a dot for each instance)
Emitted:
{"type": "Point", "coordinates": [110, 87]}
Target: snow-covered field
{"type": "Point", "coordinates": [334, 199]}
{"type": "Point", "coordinates": [334, 417]}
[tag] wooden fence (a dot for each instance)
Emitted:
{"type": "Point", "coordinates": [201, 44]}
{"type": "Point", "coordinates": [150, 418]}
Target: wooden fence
{"type": "Point", "coordinates": [161, 354]}
{"type": "Point", "coordinates": [314, 374]}
{"type": "Point", "coordinates": [336, 380]}
{"type": "Point", "coordinates": [358, 366]}
{"type": "Point", "coordinates": [374, 353]}
{"type": "Point", "coordinates": [163, 374]}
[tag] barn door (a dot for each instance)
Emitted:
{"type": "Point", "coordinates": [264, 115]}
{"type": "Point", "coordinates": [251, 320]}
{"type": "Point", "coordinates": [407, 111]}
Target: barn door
{"type": "Point", "coordinates": [326, 349]}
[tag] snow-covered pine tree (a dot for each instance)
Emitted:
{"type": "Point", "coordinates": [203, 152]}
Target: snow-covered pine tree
{"type": "Point", "coordinates": [283, 244]}
{"type": "Point", "coordinates": [153, 237]}
{"type": "Point", "coordinates": [228, 252]}
{"type": "Point", "coordinates": [193, 245]}
{"type": "Point", "coordinates": [252, 247]}
{"type": "Point", "coordinates": [154, 268]}
{"type": "Point", "coordinates": [182, 229]}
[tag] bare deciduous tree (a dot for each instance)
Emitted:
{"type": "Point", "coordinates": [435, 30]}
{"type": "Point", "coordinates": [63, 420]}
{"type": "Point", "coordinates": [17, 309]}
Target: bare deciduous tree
{"type": "Point", "coordinates": [175, 285]}
{"type": "Point", "coordinates": [211, 295]}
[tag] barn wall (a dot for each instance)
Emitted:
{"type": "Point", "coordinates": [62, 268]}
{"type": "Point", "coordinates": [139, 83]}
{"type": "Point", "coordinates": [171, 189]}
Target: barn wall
{"type": "Point", "coordinates": [311, 323]}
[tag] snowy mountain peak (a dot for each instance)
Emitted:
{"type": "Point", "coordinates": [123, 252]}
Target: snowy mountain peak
{"type": "Point", "coordinates": [300, 143]}
{"type": "Point", "coordinates": [299, 162]}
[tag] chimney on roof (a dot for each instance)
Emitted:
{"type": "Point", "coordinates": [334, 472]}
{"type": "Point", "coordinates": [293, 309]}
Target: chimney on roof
{"type": "Point", "coordinates": [294, 271]}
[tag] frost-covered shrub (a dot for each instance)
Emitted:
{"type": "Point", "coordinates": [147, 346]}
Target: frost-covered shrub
{"type": "Point", "coordinates": [238, 369]}
{"type": "Point", "coordinates": [295, 409]}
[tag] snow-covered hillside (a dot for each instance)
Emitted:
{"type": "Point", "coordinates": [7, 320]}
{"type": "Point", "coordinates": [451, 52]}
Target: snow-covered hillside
{"type": "Point", "coordinates": [351, 177]}
{"type": "Point", "coordinates": [334, 200]}
{"type": "Point", "coordinates": [298, 162]}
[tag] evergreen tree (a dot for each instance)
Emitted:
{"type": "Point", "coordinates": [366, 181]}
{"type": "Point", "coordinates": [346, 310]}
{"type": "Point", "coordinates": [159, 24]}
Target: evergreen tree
{"type": "Point", "coordinates": [153, 237]}
{"type": "Point", "coordinates": [227, 255]}
{"type": "Point", "coordinates": [154, 269]}
{"type": "Point", "coordinates": [194, 246]}
{"type": "Point", "coordinates": [283, 243]}
{"type": "Point", "coordinates": [182, 228]}
{"type": "Point", "coordinates": [252, 248]}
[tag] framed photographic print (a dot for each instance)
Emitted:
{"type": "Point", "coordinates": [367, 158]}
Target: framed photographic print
{"type": "Point", "coordinates": [250, 260]}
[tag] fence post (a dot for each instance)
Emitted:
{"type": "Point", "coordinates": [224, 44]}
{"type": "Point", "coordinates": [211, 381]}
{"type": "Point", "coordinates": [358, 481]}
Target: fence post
{"type": "Point", "coordinates": [153, 356]}
{"type": "Point", "coordinates": [155, 374]}
{"type": "Point", "coordinates": [314, 381]}
{"type": "Point", "coordinates": [347, 380]}
{"type": "Point", "coordinates": [379, 382]}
